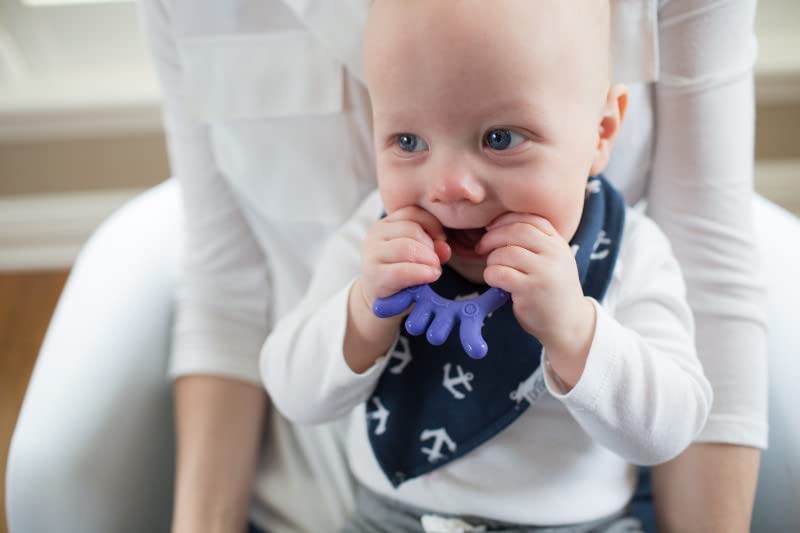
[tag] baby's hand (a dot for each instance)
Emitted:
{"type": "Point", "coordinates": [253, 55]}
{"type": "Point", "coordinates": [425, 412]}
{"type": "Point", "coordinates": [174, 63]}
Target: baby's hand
{"type": "Point", "coordinates": [403, 249]}
{"type": "Point", "coordinates": [529, 259]}
{"type": "Point", "coordinates": [406, 248]}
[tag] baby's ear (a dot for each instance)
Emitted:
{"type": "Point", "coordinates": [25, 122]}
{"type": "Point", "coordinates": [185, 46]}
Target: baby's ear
{"type": "Point", "coordinates": [610, 123]}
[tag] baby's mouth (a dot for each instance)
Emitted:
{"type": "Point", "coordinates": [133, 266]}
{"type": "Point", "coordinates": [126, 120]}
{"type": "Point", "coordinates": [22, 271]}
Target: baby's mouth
{"type": "Point", "coordinates": [463, 241]}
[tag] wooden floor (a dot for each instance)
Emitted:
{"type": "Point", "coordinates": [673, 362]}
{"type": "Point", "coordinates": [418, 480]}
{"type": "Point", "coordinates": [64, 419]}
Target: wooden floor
{"type": "Point", "coordinates": [26, 303]}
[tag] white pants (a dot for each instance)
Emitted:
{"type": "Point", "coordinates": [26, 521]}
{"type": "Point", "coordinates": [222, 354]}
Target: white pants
{"type": "Point", "coordinates": [93, 447]}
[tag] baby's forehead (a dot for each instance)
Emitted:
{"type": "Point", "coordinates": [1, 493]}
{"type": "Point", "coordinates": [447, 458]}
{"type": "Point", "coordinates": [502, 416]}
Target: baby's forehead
{"type": "Point", "coordinates": [447, 45]}
{"type": "Point", "coordinates": [572, 32]}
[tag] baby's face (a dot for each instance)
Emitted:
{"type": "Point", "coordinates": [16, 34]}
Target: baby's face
{"type": "Point", "coordinates": [484, 108]}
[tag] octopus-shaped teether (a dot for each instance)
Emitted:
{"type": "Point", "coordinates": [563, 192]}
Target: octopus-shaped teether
{"type": "Point", "coordinates": [470, 312]}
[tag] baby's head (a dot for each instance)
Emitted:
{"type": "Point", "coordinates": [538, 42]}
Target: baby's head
{"type": "Point", "coordinates": [484, 108]}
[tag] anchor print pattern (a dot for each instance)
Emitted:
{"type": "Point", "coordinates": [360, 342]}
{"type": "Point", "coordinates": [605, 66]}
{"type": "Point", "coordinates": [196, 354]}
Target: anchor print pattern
{"type": "Point", "coordinates": [380, 413]}
{"type": "Point", "coordinates": [440, 438]}
{"type": "Point", "coordinates": [451, 382]}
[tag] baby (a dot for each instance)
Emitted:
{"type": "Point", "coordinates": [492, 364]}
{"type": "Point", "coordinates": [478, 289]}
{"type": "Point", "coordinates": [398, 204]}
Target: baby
{"type": "Point", "coordinates": [492, 122]}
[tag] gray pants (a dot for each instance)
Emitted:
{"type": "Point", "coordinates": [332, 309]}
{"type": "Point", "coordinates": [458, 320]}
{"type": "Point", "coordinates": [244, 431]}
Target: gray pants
{"type": "Point", "coordinates": [375, 513]}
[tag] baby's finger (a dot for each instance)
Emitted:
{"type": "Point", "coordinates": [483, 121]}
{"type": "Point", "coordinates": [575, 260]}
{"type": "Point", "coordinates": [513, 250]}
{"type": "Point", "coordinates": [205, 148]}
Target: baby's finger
{"type": "Point", "coordinates": [395, 277]}
{"type": "Point", "coordinates": [537, 221]}
{"type": "Point", "coordinates": [514, 234]}
{"type": "Point", "coordinates": [396, 229]}
{"type": "Point", "coordinates": [515, 257]}
{"type": "Point", "coordinates": [407, 250]}
{"type": "Point", "coordinates": [506, 278]}
{"type": "Point", "coordinates": [443, 250]}
{"type": "Point", "coordinates": [429, 223]}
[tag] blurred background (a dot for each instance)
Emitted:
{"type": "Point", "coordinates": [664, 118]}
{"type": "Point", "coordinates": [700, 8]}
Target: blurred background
{"type": "Point", "coordinates": [80, 134]}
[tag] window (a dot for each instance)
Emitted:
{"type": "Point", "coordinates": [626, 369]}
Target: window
{"type": "Point", "coordinates": [79, 64]}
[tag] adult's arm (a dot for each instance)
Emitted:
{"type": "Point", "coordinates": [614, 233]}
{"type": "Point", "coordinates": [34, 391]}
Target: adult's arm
{"type": "Point", "coordinates": [218, 427]}
{"type": "Point", "coordinates": [221, 315]}
{"type": "Point", "coordinates": [700, 194]}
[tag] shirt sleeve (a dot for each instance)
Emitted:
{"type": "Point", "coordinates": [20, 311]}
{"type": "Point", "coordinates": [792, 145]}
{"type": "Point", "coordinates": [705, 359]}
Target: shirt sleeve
{"type": "Point", "coordinates": [701, 193]}
{"type": "Point", "coordinates": [642, 393]}
{"type": "Point", "coordinates": [223, 293]}
{"type": "Point", "coordinates": [302, 362]}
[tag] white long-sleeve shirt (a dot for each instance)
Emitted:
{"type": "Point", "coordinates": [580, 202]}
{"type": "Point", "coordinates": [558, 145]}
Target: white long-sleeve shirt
{"type": "Point", "coordinates": [641, 399]}
{"type": "Point", "coordinates": [268, 128]}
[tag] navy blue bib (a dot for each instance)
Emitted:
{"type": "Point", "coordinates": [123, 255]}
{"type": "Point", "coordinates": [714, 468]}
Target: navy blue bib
{"type": "Point", "coordinates": [434, 404]}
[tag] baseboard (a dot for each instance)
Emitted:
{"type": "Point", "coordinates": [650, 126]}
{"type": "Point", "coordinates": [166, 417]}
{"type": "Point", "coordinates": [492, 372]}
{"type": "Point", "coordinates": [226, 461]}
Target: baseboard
{"type": "Point", "coordinates": [46, 231]}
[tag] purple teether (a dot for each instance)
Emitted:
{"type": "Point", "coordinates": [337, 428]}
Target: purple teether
{"type": "Point", "coordinates": [470, 312]}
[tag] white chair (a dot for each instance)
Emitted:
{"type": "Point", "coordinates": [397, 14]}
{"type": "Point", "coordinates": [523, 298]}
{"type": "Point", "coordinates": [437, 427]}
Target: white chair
{"type": "Point", "coordinates": [93, 447]}
{"type": "Point", "coordinates": [777, 507]}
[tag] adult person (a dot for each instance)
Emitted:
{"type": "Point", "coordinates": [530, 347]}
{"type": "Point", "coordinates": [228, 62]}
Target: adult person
{"type": "Point", "coordinates": [267, 120]}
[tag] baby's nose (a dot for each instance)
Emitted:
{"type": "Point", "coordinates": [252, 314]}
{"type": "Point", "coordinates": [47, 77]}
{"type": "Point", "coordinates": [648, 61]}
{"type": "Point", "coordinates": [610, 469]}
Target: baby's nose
{"type": "Point", "coordinates": [456, 185]}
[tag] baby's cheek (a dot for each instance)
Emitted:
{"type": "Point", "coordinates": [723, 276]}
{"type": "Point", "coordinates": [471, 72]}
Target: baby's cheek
{"type": "Point", "coordinates": [389, 192]}
{"type": "Point", "coordinates": [568, 218]}
{"type": "Point", "coordinates": [397, 191]}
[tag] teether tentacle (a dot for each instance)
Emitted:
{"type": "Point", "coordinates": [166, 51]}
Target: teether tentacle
{"type": "Point", "coordinates": [474, 313]}
{"type": "Point", "coordinates": [444, 312]}
{"type": "Point", "coordinates": [420, 317]}
{"type": "Point", "coordinates": [491, 300]}
{"type": "Point", "coordinates": [471, 338]}
{"type": "Point", "coordinates": [394, 304]}
{"type": "Point", "coordinates": [441, 327]}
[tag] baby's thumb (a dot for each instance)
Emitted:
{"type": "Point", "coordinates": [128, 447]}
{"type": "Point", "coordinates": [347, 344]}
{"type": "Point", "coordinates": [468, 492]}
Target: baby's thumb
{"type": "Point", "coordinates": [442, 250]}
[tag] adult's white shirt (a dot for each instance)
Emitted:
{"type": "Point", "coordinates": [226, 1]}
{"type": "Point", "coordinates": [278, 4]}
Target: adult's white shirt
{"type": "Point", "coordinates": [268, 128]}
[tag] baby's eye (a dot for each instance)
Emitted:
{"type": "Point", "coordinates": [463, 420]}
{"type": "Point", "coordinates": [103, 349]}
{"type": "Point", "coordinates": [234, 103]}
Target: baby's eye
{"type": "Point", "coordinates": [409, 142]}
{"type": "Point", "coordinates": [503, 139]}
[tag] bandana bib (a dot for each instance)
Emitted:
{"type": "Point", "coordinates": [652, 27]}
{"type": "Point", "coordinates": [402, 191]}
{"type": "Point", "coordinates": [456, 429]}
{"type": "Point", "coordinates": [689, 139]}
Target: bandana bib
{"type": "Point", "coordinates": [434, 404]}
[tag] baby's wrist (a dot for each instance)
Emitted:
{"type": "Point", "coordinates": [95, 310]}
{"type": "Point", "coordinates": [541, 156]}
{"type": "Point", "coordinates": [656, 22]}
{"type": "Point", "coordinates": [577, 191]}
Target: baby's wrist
{"type": "Point", "coordinates": [367, 337]}
{"type": "Point", "coordinates": [568, 350]}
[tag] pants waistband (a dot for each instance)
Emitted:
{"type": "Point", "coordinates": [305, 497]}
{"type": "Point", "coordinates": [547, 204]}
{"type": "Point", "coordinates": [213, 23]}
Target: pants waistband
{"type": "Point", "coordinates": [397, 516]}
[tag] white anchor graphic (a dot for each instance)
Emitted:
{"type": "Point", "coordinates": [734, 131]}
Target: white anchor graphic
{"type": "Point", "coordinates": [575, 248]}
{"type": "Point", "coordinates": [401, 351]}
{"type": "Point", "coordinates": [451, 382]}
{"type": "Point", "coordinates": [441, 438]}
{"type": "Point", "coordinates": [531, 389]}
{"type": "Point", "coordinates": [381, 414]}
{"type": "Point", "coordinates": [593, 187]}
{"type": "Point", "coordinates": [601, 239]}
